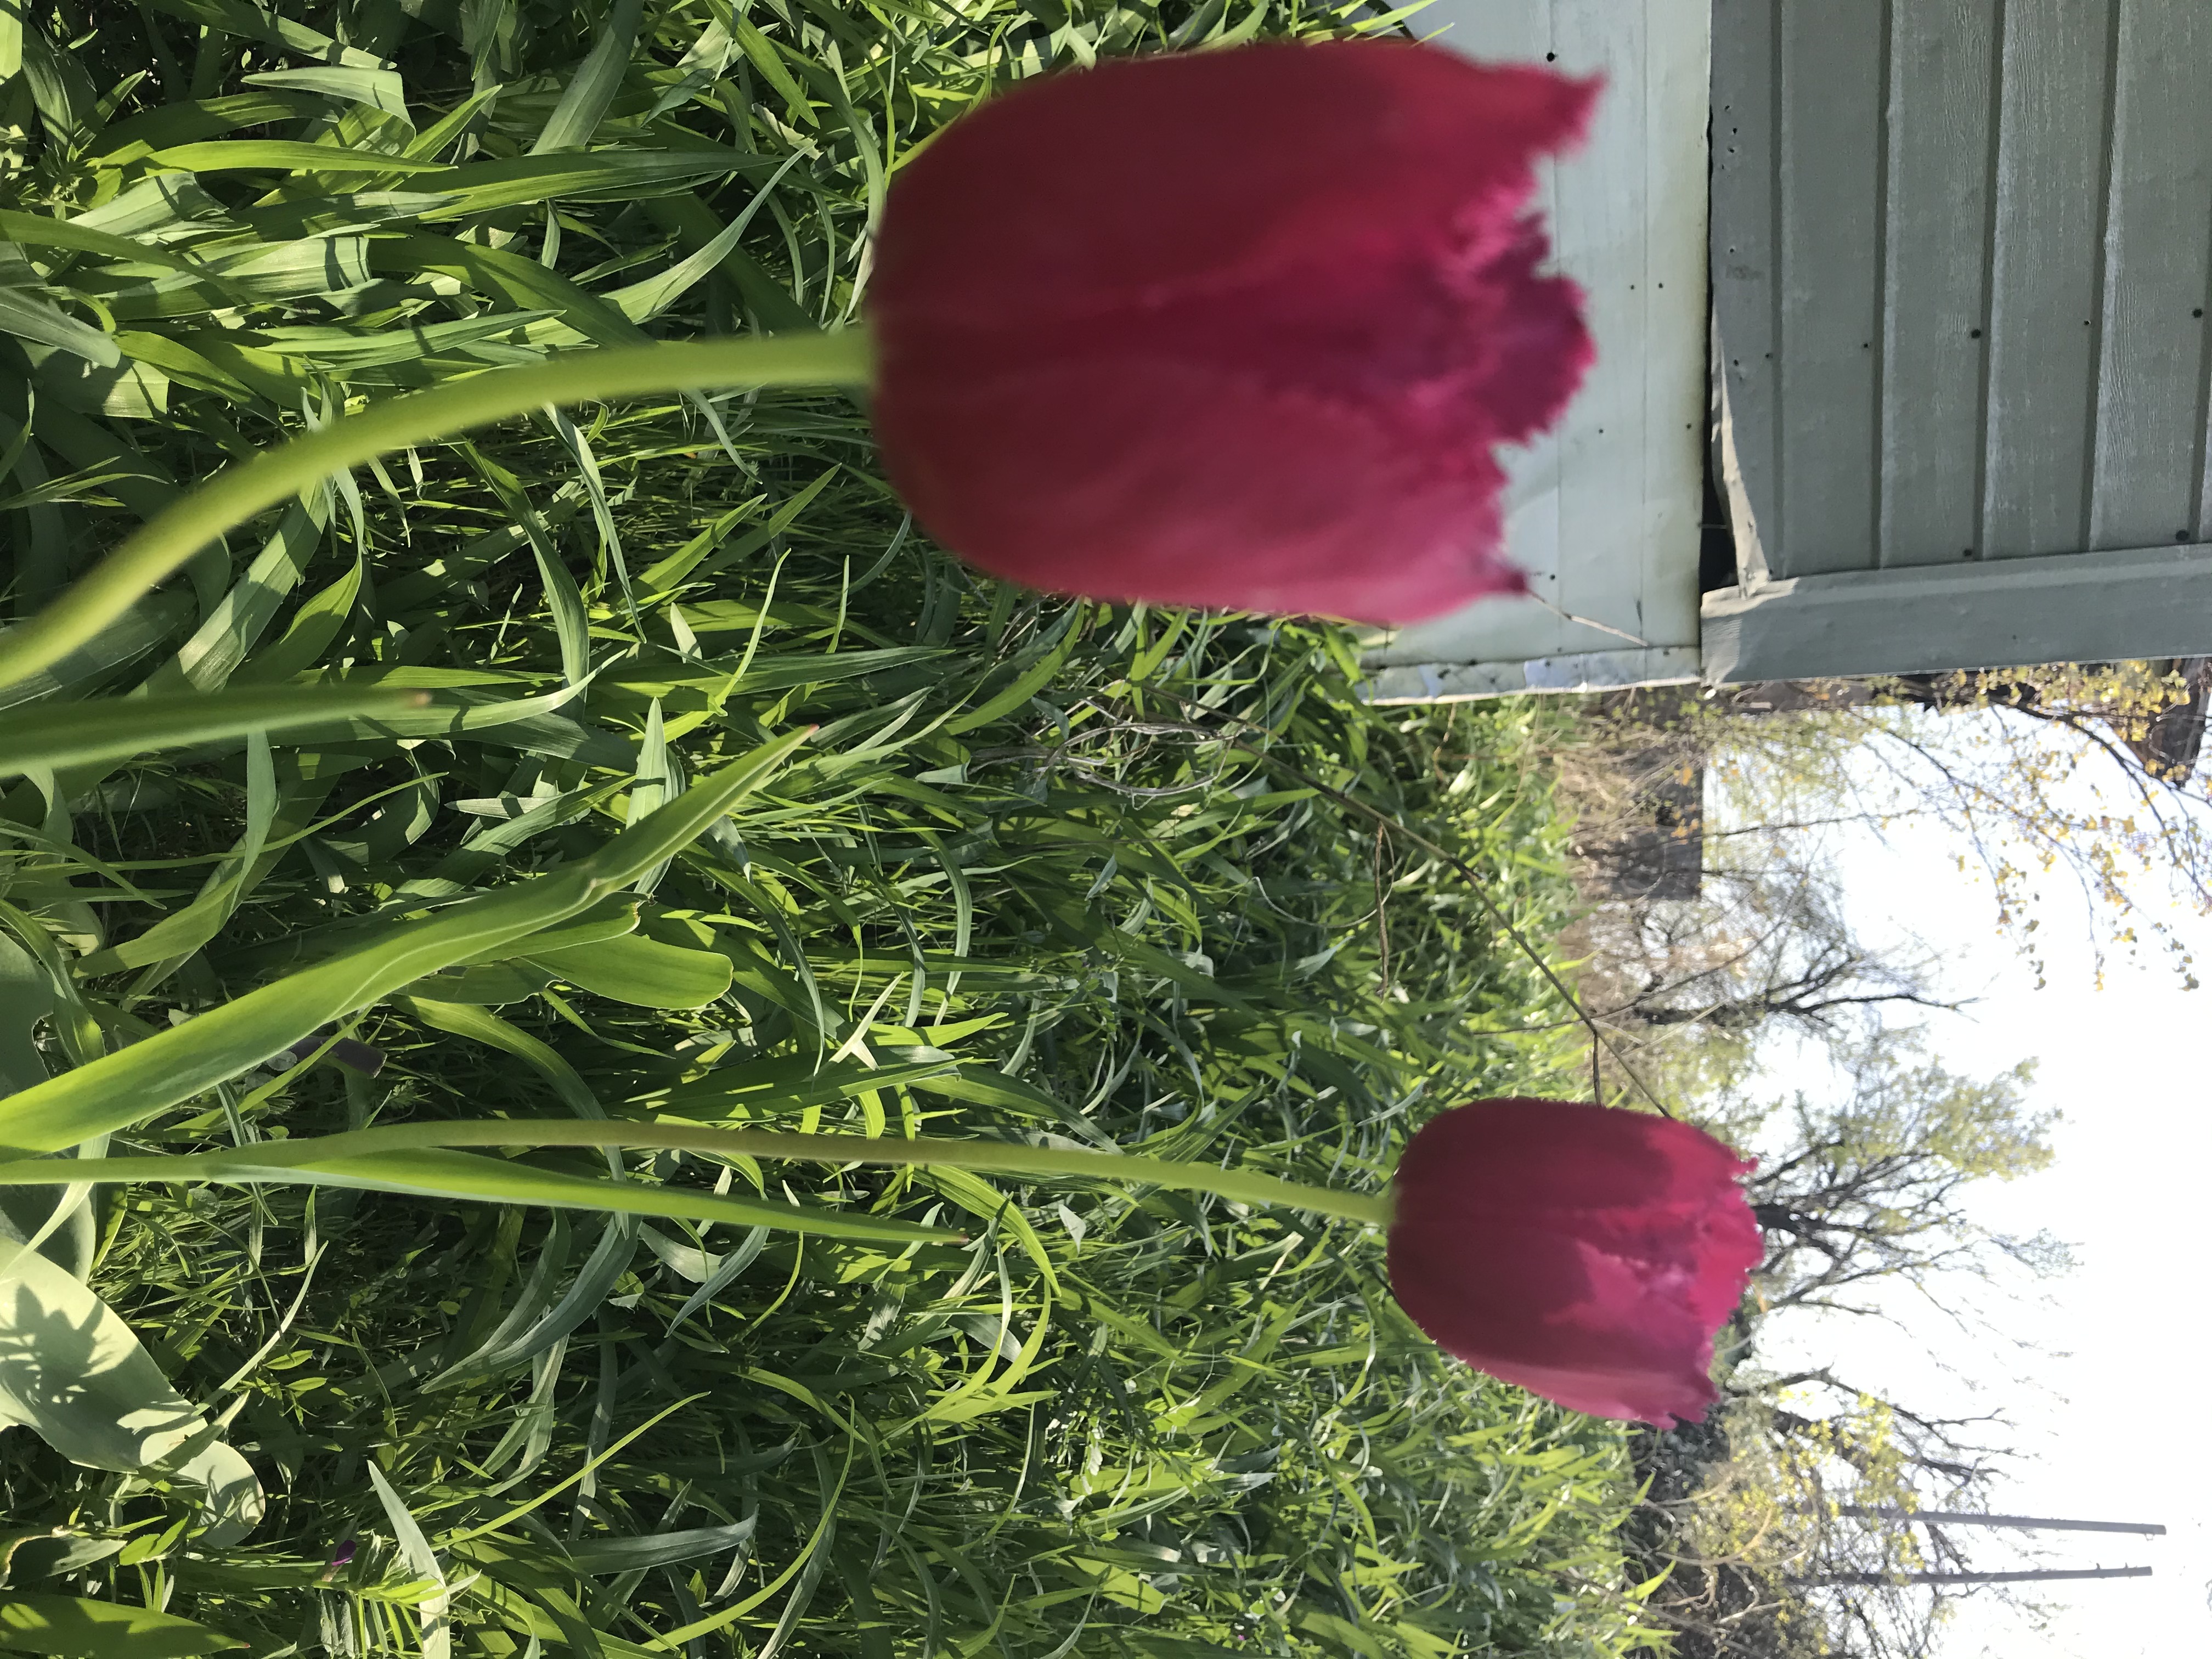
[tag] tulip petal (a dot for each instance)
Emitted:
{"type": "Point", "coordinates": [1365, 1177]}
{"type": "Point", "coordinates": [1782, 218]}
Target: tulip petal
{"type": "Point", "coordinates": [1586, 1253]}
{"type": "Point", "coordinates": [1538, 1156]}
{"type": "Point", "coordinates": [1150, 174]}
{"type": "Point", "coordinates": [1068, 478]}
{"type": "Point", "coordinates": [1236, 329]}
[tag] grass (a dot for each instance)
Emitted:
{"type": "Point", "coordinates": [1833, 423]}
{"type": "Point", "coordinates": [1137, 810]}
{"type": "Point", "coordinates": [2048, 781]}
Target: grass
{"type": "Point", "coordinates": [1042, 872]}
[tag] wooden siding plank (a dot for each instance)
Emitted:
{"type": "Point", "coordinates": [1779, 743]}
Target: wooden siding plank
{"type": "Point", "coordinates": [1603, 510]}
{"type": "Point", "coordinates": [2158, 244]}
{"type": "Point", "coordinates": [2053, 111]}
{"type": "Point", "coordinates": [2136, 602]}
{"type": "Point", "coordinates": [1677, 312]}
{"type": "Point", "coordinates": [1601, 233]}
{"type": "Point", "coordinates": [1941, 86]}
{"type": "Point", "coordinates": [1832, 74]}
{"type": "Point", "coordinates": [1743, 254]}
{"type": "Point", "coordinates": [1502, 30]}
{"type": "Point", "coordinates": [1598, 670]}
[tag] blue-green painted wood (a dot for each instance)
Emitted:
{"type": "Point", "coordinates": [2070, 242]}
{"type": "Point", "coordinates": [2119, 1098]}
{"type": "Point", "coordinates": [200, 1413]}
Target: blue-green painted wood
{"type": "Point", "coordinates": [2020, 192]}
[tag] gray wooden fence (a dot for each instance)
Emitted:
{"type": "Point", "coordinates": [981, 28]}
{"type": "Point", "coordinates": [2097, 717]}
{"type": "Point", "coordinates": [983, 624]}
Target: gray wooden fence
{"type": "Point", "coordinates": [1961, 261]}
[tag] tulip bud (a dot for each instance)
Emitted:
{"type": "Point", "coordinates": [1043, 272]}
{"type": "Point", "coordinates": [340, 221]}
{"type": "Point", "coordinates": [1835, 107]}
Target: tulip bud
{"type": "Point", "coordinates": [1588, 1255]}
{"type": "Point", "coordinates": [1236, 328]}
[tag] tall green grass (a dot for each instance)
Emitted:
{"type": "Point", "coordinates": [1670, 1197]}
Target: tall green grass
{"type": "Point", "coordinates": [1038, 871]}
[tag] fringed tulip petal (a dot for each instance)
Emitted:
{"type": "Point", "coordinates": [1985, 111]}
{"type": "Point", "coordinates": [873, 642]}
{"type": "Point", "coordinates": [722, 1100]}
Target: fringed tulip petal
{"type": "Point", "coordinates": [1236, 328]}
{"type": "Point", "coordinates": [1585, 1254]}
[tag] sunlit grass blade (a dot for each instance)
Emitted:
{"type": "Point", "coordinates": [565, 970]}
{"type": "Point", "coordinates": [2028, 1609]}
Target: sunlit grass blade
{"type": "Point", "coordinates": [172, 1066]}
{"type": "Point", "coordinates": [84, 1628]}
{"type": "Point", "coordinates": [360, 1150]}
{"type": "Point", "coordinates": [452, 1177]}
{"type": "Point", "coordinates": [163, 545]}
{"type": "Point", "coordinates": [80, 733]}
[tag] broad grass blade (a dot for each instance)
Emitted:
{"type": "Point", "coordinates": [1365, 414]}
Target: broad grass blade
{"type": "Point", "coordinates": [75, 1375]}
{"type": "Point", "coordinates": [79, 734]}
{"type": "Point", "coordinates": [175, 1064]}
{"type": "Point", "coordinates": [85, 1629]}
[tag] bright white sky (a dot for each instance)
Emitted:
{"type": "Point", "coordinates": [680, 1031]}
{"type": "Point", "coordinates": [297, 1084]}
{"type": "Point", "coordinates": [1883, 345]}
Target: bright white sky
{"type": "Point", "coordinates": [2113, 1409]}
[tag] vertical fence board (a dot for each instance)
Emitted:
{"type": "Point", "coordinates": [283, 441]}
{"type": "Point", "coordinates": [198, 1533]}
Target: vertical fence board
{"type": "Point", "coordinates": [2053, 114]}
{"type": "Point", "coordinates": [1832, 74]}
{"type": "Point", "coordinates": [2151, 375]}
{"type": "Point", "coordinates": [1935, 323]}
{"type": "Point", "coordinates": [1744, 255]}
{"type": "Point", "coordinates": [1678, 306]}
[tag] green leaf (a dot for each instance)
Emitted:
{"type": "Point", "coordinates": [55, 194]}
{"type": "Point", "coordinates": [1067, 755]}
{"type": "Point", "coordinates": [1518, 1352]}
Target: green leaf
{"type": "Point", "coordinates": [640, 302]}
{"type": "Point", "coordinates": [1027, 683]}
{"type": "Point", "coordinates": [658, 1549]}
{"type": "Point", "coordinates": [585, 100]}
{"type": "Point", "coordinates": [80, 733]}
{"type": "Point", "coordinates": [173, 1066]}
{"type": "Point", "coordinates": [181, 933]}
{"type": "Point", "coordinates": [571, 621]}
{"type": "Point", "coordinates": [237, 372]}
{"type": "Point", "coordinates": [701, 557]}
{"type": "Point", "coordinates": [231, 1502]}
{"type": "Point", "coordinates": [165, 203]}
{"type": "Point", "coordinates": [474, 1177]}
{"type": "Point", "coordinates": [251, 22]}
{"type": "Point", "coordinates": [313, 626]}
{"type": "Point", "coordinates": [764, 56]}
{"type": "Point", "coordinates": [611, 920]}
{"type": "Point", "coordinates": [465, 1020]}
{"type": "Point", "coordinates": [284, 155]}
{"type": "Point", "coordinates": [523, 283]}
{"type": "Point", "coordinates": [309, 266]}
{"type": "Point", "coordinates": [641, 971]}
{"type": "Point", "coordinates": [72, 1372]}
{"type": "Point", "coordinates": [354, 349]}
{"type": "Point", "coordinates": [84, 1629]}
{"type": "Point", "coordinates": [29, 318]}
{"type": "Point", "coordinates": [487, 985]}
{"type": "Point", "coordinates": [202, 117]}
{"type": "Point", "coordinates": [486, 187]}
{"type": "Point", "coordinates": [206, 661]}
{"type": "Point", "coordinates": [137, 630]}
{"type": "Point", "coordinates": [35, 230]}
{"type": "Point", "coordinates": [379, 89]}
{"type": "Point", "coordinates": [696, 223]}
{"type": "Point", "coordinates": [701, 67]}
{"type": "Point", "coordinates": [414, 1549]}
{"type": "Point", "coordinates": [26, 998]}
{"type": "Point", "coordinates": [538, 1321]}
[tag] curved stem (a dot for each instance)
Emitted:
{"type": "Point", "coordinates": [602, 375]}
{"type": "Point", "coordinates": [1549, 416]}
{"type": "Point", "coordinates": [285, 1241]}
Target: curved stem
{"type": "Point", "coordinates": [161, 544]}
{"type": "Point", "coordinates": [268, 1160]}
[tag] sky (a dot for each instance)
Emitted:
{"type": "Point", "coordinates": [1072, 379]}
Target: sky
{"type": "Point", "coordinates": [2111, 1409]}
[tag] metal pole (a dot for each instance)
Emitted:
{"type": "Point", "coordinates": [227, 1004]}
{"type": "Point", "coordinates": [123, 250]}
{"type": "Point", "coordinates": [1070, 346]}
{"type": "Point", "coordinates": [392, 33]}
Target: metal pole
{"type": "Point", "coordinates": [2037, 1577]}
{"type": "Point", "coordinates": [2021, 1522]}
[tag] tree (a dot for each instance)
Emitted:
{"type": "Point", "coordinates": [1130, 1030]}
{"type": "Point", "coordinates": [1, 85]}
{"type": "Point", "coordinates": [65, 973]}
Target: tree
{"type": "Point", "coordinates": [1865, 1185]}
{"type": "Point", "coordinates": [1791, 1544]}
{"type": "Point", "coordinates": [1869, 1185]}
{"type": "Point", "coordinates": [1767, 941]}
{"type": "Point", "coordinates": [2063, 776]}
{"type": "Point", "coordinates": [1863, 1191]}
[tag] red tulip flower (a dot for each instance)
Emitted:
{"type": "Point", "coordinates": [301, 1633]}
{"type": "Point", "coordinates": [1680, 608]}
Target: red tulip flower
{"type": "Point", "coordinates": [1236, 328]}
{"type": "Point", "coordinates": [1585, 1254]}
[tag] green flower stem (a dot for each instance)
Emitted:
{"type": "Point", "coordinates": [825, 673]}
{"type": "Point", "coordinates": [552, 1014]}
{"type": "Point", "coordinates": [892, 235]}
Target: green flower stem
{"type": "Point", "coordinates": [164, 543]}
{"type": "Point", "coordinates": [269, 1160]}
